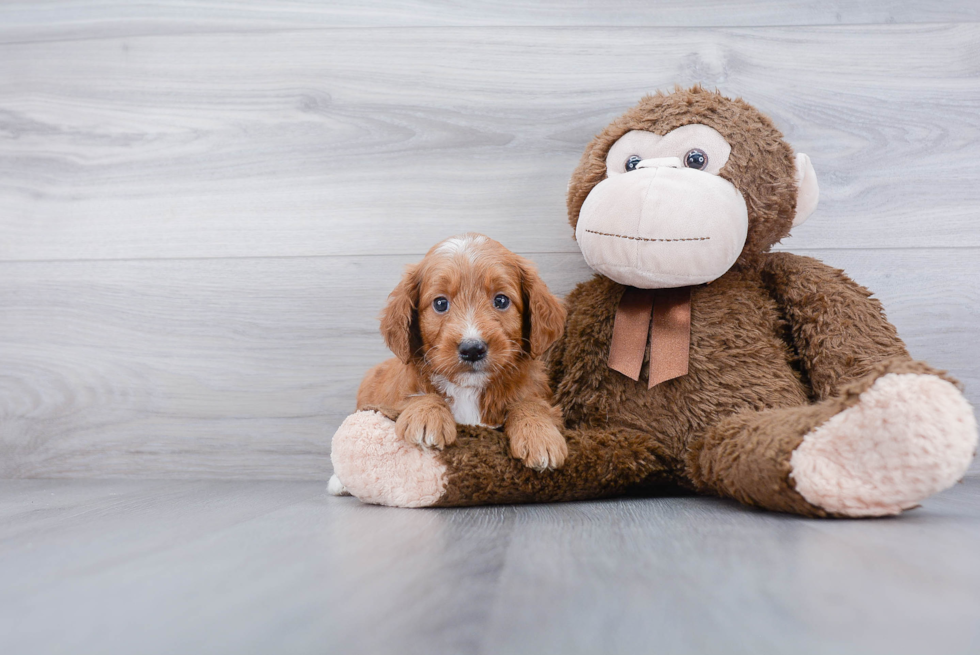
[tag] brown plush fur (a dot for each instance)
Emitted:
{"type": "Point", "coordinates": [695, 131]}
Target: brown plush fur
{"type": "Point", "coordinates": [779, 344]}
{"type": "Point", "coordinates": [729, 426]}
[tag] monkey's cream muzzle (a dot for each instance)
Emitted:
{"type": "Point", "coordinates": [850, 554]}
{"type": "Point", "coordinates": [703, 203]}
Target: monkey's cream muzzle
{"type": "Point", "coordinates": [662, 226]}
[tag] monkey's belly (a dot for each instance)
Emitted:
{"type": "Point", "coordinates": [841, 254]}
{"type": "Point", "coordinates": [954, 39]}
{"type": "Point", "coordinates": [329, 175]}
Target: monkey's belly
{"type": "Point", "coordinates": [740, 360]}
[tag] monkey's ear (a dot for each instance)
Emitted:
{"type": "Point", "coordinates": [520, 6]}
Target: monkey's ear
{"type": "Point", "coordinates": [807, 190]}
{"type": "Point", "coordinates": [399, 319]}
{"type": "Point", "coordinates": [544, 314]}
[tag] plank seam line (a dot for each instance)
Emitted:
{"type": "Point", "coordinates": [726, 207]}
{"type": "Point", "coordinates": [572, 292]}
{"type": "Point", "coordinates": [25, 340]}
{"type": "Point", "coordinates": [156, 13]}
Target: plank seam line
{"type": "Point", "coordinates": [289, 30]}
{"type": "Point", "coordinates": [421, 253]}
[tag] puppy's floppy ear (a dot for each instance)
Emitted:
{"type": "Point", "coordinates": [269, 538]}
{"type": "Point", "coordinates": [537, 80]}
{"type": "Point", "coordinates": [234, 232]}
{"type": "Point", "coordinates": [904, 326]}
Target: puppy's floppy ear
{"type": "Point", "coordinates": [544, 314]}
{"type": "Point", "coordinates": [400, 317]}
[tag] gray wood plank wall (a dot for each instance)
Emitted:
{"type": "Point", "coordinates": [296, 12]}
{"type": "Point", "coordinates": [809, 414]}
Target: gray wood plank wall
{"type": "Point", "coordinates": [204, 205]}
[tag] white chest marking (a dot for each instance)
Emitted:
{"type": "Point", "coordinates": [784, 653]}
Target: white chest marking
{"type": "Point", "coordinates": [464, 396]}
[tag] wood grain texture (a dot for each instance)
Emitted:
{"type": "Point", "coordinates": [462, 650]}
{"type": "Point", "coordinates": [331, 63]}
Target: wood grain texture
{"type": "Point", "coordinates": [258, 567]}
{"type": "Point", "coordinates": [204, 204]}
{"type": "Point", "coordinates": [384, 140]}
{"type": "Point", "coordinates": [45, 20]}
{"type": "Point", "coordinates": [243, 368]}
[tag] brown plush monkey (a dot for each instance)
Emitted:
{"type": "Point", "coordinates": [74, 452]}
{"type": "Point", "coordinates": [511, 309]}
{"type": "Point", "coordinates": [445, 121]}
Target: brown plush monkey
{"type": "Point", "coordinates": [696, 358]}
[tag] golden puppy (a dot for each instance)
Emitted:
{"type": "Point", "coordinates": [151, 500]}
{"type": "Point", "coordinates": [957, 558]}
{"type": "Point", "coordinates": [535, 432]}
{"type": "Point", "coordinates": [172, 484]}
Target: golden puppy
{"type": "Point", "coordinates": [468, 324]}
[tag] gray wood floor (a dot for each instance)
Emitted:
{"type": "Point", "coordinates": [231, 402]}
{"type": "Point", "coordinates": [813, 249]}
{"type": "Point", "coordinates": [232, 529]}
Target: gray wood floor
{"type": "Point", "coordinates": [280, 567]}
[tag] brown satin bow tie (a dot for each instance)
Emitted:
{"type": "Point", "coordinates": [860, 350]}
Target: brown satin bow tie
{"type": "Point", "coordinates": [670, 335]}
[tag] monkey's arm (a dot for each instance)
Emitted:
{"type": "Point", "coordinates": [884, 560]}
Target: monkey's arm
{"type": "Point", "coordinates": [378, 467]}
{"type": "Point", "coordinates": [838, 330]}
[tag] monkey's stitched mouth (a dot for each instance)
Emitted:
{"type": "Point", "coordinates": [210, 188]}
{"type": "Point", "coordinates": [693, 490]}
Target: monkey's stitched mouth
{"type": "Point", "coordinates": [623, 236]}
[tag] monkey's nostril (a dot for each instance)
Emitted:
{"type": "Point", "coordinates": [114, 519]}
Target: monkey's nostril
{"type": "Point", "coordinates": [472, 350]}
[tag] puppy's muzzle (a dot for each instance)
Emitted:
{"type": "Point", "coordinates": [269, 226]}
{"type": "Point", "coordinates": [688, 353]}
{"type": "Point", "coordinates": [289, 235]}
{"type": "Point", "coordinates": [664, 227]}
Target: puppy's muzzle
{"type": "Point", "coordinates": [472, 350]}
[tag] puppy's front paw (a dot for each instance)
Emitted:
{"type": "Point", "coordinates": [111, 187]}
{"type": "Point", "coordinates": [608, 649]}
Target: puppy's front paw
{"type": "Point", "coordinates": [428, 423]}
{"type": "Point", "coordinates": [540, 445]}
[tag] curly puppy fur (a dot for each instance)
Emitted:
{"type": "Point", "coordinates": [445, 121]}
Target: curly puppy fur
{"type": "Point", "coordinates": [493, 301]}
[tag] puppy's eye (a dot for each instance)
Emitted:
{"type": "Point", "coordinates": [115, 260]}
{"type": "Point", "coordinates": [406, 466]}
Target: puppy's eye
{"type": "Point", "coordinates": [441, 305]}
{"type": "Point", "coordinates": [632, 162]}
{"type": "Point", "coordinates": [500, 301]}
{"type": "Point", "coordinates": [696, 159]}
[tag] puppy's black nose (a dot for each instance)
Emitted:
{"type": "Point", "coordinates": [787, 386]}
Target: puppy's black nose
{"type": "Point", "coordinates": [472, 350]}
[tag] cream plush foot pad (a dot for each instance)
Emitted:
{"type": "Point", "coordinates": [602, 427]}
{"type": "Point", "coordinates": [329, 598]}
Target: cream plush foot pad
{"type": "Point", "coordinates": [908, 437]}
{"type": "Point", "coordinates": [375, 466]}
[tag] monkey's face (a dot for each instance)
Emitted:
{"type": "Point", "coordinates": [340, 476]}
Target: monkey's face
{"type": "Point", "coordinates": [663, 217]}
{"type": "Point", "coordinates": [684, 186]}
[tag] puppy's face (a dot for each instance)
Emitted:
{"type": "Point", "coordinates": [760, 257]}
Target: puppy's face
{"type": "Point", "coordinates": [471, 307]}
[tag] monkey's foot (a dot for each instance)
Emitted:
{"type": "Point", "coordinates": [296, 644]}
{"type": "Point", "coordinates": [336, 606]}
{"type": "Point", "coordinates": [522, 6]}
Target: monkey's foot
{"type": "Point", "coordinates": [908, 437]}
{"type": "Point", "coordinates": [378, 467]}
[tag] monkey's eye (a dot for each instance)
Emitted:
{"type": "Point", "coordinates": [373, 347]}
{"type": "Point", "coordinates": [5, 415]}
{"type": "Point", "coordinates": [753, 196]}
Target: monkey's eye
{"type": "Point", "coordinates": [632, 162]}
{"type": "Point", "coordinates": [696, 159]}
{"type": "Point", "coordinates": [441, 305]}
{"type": "Point", "coordinates": [500, 301]}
